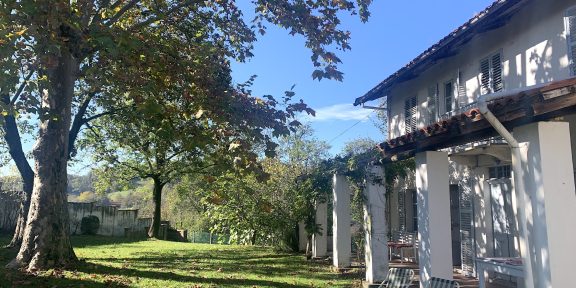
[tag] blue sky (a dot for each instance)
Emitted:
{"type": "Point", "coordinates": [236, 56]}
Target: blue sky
{"type": "Point", "coordinates": [396, 32]}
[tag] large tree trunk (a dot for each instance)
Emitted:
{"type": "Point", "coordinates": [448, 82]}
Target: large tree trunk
{"type": "Point", "coordinates": [154, 231]}
{"type": "Point", "coordinates": [12, 138]}
{"type": "Point", "coordinates": [46, 241]}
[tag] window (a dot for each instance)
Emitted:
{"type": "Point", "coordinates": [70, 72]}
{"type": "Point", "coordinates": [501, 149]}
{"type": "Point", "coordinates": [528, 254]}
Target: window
{"type": "Point", "coordinates": [432, 103]}
{"type": "Point", "coordinates": [410, 114]}
{"type": "Point", "coordinates": [570, 26]}
{"type": "Point", "coordinates": [448, 96]}
{"type": "Point", "coordinates": [491, 74]}
{"type": "Point", "coordinates": [498, 172]}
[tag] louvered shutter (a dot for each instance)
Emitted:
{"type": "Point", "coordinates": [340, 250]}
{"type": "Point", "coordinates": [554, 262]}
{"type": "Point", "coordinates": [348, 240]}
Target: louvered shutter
{"type": "Point", "coordinates": [461, 93]}
{"type": "Point", "coordinates": [448, 96]}
{"type": "Point", "coordinates": [410, 114]}
{"type": "Point", "coordinates": [402, 210]}
{"type": "Point", "coordinates": [466, 230]}
{"type": "Point", "coordinates": [432, 103]}
{"type": "Point", "coordinates": [496, 73]}
{"type": "Point", "coordinates": [571, 38]}
{"type": "Point", "coordinates": [485, 76]}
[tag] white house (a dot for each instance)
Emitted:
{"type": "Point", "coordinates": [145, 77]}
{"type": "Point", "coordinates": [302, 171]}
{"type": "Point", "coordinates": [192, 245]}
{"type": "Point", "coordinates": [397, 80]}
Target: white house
{"type": "Point", "coordinates": [489, 113]}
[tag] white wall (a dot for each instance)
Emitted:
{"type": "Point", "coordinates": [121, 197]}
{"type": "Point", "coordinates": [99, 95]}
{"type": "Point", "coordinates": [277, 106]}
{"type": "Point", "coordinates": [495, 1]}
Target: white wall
{"type": "Point", "coordinates": [113, 221]}
{"type": "Point", "coordinates": [533, 48]}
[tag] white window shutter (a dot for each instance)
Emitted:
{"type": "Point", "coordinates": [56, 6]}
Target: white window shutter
{"type": "Point", "coordinates": [432, 103]}
{"type": "Point", "coordinates": [461, 93]}
{"type": "Point", "coordinates": [496, 70]}
{"type": "Point", "coordinates": [484, 76]}
{"type": "Point", "coordinates": [410, 109]}
{"type": "Point", "coordinates": [570, 21]}
{"type": "Point", "coordinates": [402, 210]}
{"type": "Point", "coordinates": [467, 230]}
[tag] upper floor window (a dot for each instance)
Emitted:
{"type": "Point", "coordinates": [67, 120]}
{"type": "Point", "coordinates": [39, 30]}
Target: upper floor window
{"type": "Point", "coordinates": [449, 96]}
{"type": "Point", "coordinates": [570, 26]}
{"type": "Point", "coordinates": [410, 114]}
{"type": "Point", "coordinates": [491, 74]}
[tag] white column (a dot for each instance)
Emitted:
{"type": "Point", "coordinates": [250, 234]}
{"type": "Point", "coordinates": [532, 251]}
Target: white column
{"type": "Point", "coordinates": [482, 213]}
{"type": "Point", "coordinates": [435, 250]}
{"type": "Point", "coordinates": [376, 250]}
{"type": "Point", "coordinates": [550, 205]}
{"type": "Point", "coordinates": [302, 236]}
{"type": "Point", "coordinates": [319, 241]}
{"type": "Point", "coordinates": [342, 238]}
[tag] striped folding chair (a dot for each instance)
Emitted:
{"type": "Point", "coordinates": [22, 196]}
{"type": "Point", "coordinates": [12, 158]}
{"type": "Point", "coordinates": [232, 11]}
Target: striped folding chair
{"type": "Point", "coordinates": [436, 282]}
{"type": "Point", "coordinates": [398, 278]}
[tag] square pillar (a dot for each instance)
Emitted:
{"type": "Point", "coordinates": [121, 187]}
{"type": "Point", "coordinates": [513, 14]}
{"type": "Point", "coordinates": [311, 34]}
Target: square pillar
{"type": "Point", "coordinates": [375, 244]}
{"type": "Point", "coordinates": [302, 236]}
{"type": "Point", "coordinates": [341, 219]}
{"type": "Point", "coordinates": [320, 241]}
{"type": "Point", "coordinates": [482, 213]}
{"type": "Point", "coordinates": [549, 202]}
{"type": "Point", "coordinates": [432, 184]}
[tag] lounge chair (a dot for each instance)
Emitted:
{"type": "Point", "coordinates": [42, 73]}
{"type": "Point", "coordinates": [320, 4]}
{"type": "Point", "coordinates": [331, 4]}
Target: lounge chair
{"type": "Point", "coordinates": [436, 282]}
{"type": "Point", "coordinates": [398, 278]}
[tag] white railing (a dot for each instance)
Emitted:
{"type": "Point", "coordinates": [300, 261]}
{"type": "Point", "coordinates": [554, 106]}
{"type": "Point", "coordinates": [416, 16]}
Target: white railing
{"type": "Point", "coordinates": [450, 114]}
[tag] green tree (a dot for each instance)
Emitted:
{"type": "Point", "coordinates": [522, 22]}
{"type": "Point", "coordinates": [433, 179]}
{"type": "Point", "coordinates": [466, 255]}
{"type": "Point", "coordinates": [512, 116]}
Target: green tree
{"type": "Point", "coordinates": [61, 37]}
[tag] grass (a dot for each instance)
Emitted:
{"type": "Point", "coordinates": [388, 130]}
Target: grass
{"type": "Point", "coordinates": [116, 262]}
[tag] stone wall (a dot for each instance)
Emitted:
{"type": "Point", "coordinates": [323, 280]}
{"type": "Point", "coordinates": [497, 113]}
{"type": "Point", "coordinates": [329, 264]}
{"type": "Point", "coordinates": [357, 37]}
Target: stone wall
{"type": "Point", "coordinates": [113, 220]}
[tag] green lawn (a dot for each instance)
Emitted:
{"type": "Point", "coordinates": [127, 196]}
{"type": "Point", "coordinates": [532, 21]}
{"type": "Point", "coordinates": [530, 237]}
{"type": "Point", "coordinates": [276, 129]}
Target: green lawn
{"type": "Point", "coordinates": [115, 262]}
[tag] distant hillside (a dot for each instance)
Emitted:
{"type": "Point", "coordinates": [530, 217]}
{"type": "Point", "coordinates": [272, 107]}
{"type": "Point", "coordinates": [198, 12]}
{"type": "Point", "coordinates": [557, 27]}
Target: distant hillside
{"type": "Point", "coordinates": [80, 183]}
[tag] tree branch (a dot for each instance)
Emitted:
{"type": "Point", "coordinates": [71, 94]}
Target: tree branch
{"type": "Point", "coordinates": [21, 88]}
{"type": "Point", "coordinates": [77, 123]}
{"type": "Point", "coordinates": [161, 16]}
{"type": "Point", "coordinates": [121, 12]}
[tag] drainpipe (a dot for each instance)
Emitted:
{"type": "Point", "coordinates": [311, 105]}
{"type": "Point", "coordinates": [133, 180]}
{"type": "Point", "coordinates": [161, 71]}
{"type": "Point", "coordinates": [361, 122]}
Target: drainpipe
{"type": "Point", "coordinates": [517, 164]}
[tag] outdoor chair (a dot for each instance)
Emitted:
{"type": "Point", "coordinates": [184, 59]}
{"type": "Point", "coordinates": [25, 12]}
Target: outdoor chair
{"type": "Point", "coordinates": [436, 282]}
{"type": "Point", "coordinates": [398, 278]}
{"type": "Point", "coordinates": [411, 245]}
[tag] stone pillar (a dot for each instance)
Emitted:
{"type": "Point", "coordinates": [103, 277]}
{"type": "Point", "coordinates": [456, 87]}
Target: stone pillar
{"type": "Point", "coordinates": [302, 236]}
{"type": "Point", "coordinates": [319, 241]}
{"type": "Point", "coordinates": [550, 205]}
{"type": "Point", "coordinates": [432, 184]}
{"type": "Point", "coordinates": [375, 244]}
{"type": "Point", "coordinates": [342, 238]}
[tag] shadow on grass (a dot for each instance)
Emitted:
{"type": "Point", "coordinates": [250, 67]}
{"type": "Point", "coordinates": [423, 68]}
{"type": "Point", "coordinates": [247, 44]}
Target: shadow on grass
{"type": "Point", "coordinates": [184, 279]}
{"type": "Point", "coordinates": [84, 241]}
{"type": "Point", "coordinates": [233, 262]}
{"type": "Point", "coordinates": [15, 278]}
{"type": "Point", "coordinates": [216, 267]}
{"type": "Point", "coordinates": [12, 278]}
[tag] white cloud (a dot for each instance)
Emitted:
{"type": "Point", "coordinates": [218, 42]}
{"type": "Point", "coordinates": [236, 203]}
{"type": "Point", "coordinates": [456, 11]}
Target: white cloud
{"type": "Point", "coordinates": [340, 112]}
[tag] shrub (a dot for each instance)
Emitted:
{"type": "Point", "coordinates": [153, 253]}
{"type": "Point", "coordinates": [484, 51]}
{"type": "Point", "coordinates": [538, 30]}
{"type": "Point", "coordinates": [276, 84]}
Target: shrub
{"type": "Point", "coordinates": [90, 225]}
